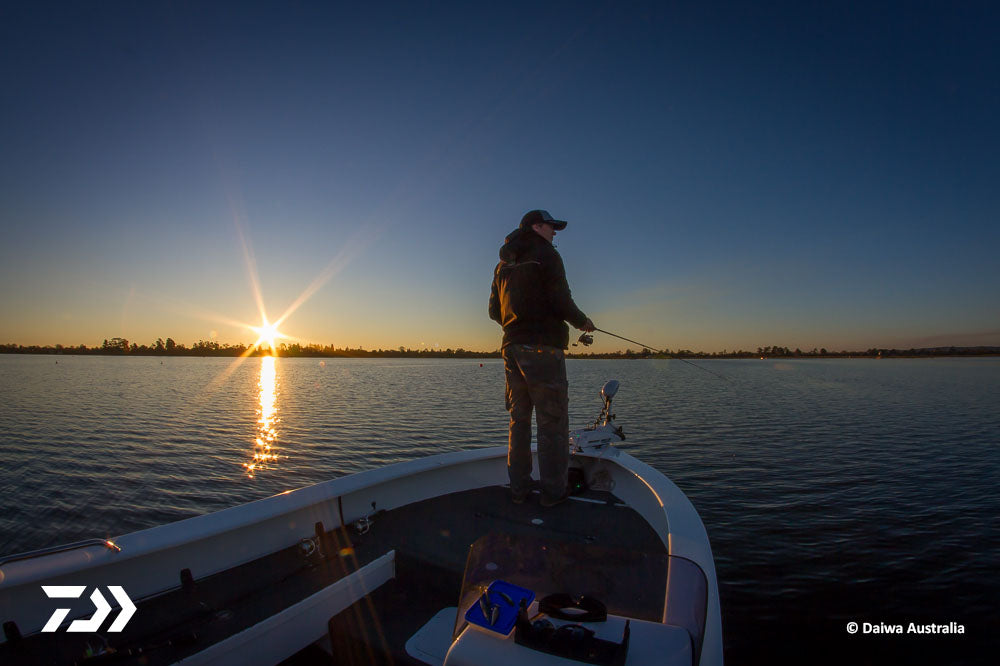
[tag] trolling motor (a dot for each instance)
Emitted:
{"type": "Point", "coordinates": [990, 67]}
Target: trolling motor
{"type": "Point", "coordinates": [608, 392]}
{"type": "Point", "coordinates": [603, 432]}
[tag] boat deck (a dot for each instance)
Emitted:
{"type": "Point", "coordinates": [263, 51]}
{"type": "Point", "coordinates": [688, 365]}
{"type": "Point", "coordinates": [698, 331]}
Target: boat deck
{"type": "Point", "coordinates": [431, 539]}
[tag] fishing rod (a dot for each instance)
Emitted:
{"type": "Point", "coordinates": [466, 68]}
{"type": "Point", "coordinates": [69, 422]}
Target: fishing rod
{"type": "Point", "coordinates": [588, 339]}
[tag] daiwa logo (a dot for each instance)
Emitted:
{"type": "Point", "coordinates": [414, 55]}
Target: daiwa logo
{"type": "Point", "coordinates": [103, 608]}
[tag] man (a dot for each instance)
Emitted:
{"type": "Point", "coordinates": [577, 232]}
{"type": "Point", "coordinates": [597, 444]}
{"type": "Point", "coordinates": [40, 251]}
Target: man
{"type": "Point", "coordinates": [530, 298]}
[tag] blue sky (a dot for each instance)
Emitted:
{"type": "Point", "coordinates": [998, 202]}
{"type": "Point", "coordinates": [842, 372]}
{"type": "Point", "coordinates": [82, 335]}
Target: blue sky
{"type": "Point", "coordinates": [735, 176]}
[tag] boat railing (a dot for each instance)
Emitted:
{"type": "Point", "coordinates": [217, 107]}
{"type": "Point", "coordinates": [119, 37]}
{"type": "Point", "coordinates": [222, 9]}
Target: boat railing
{"type": "Point", "coordinates": [86, 543]}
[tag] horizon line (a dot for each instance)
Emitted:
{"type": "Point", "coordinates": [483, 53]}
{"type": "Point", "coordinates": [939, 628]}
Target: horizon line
{"type": "Point", "coordinates": [120, 346]}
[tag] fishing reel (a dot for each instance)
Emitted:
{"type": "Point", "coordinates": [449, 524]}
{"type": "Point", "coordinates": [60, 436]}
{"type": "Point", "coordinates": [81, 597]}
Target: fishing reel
{"type": "Point", "coordinates": [586, 340]}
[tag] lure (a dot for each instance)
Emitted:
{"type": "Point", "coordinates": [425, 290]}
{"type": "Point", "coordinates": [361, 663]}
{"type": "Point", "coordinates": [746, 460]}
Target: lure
{"type": "Point", "coordinates": [484, 606]}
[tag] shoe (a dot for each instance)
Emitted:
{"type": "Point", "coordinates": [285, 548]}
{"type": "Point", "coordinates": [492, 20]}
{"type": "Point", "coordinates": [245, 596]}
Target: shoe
{"type": "Point", "coordinates": [546, 502]}
{"type": "Point", "coordinates": [518, 498]}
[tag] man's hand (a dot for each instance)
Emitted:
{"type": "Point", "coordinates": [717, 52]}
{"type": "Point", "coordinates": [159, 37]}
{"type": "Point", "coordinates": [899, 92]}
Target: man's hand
{"type": "Point", "coordinates": [588, 326]}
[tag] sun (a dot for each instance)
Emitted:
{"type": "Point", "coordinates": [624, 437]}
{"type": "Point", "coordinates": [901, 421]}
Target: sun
{"type": "Point", "coordinates": [267, 334]}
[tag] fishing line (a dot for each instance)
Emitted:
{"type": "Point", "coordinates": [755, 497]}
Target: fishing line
{"type": "Point", "coordinates": [658, 351]}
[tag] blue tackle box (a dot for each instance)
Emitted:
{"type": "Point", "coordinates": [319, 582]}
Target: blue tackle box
{"type": "Point", "coordinates": [505, 614]}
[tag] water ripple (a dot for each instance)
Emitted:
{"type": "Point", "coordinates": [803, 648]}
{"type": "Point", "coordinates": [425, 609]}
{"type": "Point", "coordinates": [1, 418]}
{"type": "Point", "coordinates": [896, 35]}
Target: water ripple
{"type": "Point", "coordinates": [814, 478]}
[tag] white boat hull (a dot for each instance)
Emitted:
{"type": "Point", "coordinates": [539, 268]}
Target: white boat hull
{"type": "Point", "coordinates": [149, 560]}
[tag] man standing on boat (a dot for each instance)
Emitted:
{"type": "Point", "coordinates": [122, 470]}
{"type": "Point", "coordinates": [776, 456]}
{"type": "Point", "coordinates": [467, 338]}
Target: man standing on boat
{"type": "Point", "coordinates": [531, 299]}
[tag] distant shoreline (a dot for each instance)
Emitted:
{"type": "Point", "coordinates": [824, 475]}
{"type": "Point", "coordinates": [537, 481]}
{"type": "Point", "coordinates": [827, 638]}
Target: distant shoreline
{"type": "Point", "coordinates": [295, 351]}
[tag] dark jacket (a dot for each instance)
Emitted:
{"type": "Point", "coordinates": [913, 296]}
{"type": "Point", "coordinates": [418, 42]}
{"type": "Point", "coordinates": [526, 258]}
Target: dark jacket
{"type": "Point", "coordinates": [530, 297]}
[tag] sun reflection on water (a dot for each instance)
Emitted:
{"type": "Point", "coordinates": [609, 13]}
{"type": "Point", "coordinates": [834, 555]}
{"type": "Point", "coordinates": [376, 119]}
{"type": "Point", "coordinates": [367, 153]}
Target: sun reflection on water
{"type": "Point", "coordinates": [264, 447]}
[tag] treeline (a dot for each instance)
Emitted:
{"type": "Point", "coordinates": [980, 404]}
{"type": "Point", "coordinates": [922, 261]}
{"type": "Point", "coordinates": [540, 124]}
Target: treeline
{"type": "Point", "coordinates": [785, 352]}
{"type": "Point", "coordinates": [168, 347]}
{"type": "Point", "coordinates": [122, 347]}
{"type": "Point", "coordinates": [874, 352]}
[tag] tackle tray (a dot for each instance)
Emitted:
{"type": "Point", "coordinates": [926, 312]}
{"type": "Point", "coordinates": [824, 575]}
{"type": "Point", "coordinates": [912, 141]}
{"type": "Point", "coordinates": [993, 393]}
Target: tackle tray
{"type": "Point", "coordinates": [507, 611]}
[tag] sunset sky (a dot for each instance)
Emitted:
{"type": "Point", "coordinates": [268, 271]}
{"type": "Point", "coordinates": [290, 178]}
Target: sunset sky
{"type": "Point", "coordinates": [802, 174]}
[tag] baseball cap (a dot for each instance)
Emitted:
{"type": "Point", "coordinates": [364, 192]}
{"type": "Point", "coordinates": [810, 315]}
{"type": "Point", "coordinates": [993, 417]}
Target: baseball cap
{"type": "Point", "coordinates": [533, 217]}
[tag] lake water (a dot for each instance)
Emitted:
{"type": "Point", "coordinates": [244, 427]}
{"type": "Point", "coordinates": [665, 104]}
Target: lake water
{"type": "Point", "coordinates": [832, 490]}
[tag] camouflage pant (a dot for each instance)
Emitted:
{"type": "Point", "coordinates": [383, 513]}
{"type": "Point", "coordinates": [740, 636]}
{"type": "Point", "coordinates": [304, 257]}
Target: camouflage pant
{"type": "Point", "coordinates": [536, 379]}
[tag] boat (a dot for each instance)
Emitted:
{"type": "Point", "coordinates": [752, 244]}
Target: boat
{"type": "Point", "coordinates": [427, 561]}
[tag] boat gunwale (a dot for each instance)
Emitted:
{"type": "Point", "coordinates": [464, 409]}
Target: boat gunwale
{"type": "Point", "coordinates": [675, 520]}
{"type": "Point", "coordinates": [187, 531]}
